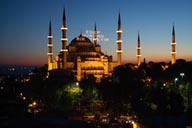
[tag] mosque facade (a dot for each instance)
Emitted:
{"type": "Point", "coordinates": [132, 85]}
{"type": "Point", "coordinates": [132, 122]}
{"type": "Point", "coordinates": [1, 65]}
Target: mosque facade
{"type": "Point", "coordinates": [82, 56]}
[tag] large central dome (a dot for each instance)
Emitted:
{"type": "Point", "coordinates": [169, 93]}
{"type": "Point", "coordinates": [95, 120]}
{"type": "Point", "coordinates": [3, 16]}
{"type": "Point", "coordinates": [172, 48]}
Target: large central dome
{"type": "Point", "coordinates": [81, 41]}
{"type": "Point", "coordinates": [83, 47]}
{"type": "Point", "coordinates": [82, 44]}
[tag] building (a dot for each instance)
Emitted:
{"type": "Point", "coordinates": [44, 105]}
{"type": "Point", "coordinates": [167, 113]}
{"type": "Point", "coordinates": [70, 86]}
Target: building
{"type": "Point", "coordinates": [173, 47]}
{"type": "Point", "coordinates": [138, 51]}
{"type": "Point", "coordinates": [82, 56]}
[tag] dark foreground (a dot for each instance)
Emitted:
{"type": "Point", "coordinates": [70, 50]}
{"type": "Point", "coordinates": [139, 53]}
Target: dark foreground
{"type": "Point", "coordinates": [44, 122]}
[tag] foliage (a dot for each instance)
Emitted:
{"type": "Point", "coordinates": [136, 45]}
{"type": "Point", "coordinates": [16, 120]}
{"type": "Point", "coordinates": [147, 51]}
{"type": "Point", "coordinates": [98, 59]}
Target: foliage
{"type": "Point", "coordinates": [90, 98]}
{"type": "Point", "coordinates": [148, 89]}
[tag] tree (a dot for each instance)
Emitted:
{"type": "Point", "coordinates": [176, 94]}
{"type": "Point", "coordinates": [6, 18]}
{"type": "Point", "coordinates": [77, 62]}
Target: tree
{"type": "Point", "coordinates": [176, 103]}
{"type": "Point", "coordinates": [90, 94]}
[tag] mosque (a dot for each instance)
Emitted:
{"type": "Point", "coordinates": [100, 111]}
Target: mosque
{"type": "Point", "coordinates": [84, 57]}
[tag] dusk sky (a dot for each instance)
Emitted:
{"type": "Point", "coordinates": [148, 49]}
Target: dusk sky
{"type": "Point", "coordinates": [24, 27]}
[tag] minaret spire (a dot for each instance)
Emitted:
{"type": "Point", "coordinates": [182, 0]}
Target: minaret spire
{"type": "Point", "coordinates": [50, 31]}
{"type": "Point", "coordinates": [138, 51]}
{"type": "Point", "coordinates": [119, 22]}
{"type": "Point", "coordinates": [138, 40]}
{"type": "Point", "coordinates": [95, 35]}
{"type": "Point", "coordinates": [49, 45]}
{"type": "Point", "coordinates": [64, 19]}
{"type": "Point", "coordinates": [119, 40]}
{"type": "Point", "coordinates": [173, 46]}
{"type": "Point", "coordinates": [64, 41]}
{"type": "Point", "coordinates": [173, 34]}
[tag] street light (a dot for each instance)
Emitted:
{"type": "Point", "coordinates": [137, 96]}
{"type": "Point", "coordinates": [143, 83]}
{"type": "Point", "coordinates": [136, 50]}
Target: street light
{"type": "Point", "coordinates": [176, 79]}
{"type": "Point", "coordinates": [182, 74]}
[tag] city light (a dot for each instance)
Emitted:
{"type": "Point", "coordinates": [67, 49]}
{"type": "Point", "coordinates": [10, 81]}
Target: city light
{"type": "Point", "coordinates": [176, 79]}
{"type": "Point", "coordinates": [182, 74]}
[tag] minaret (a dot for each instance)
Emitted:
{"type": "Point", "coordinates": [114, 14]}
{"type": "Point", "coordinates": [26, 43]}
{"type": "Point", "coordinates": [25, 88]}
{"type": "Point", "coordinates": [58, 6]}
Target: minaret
{"type": "Point", "coordinates": [49, 45]}
{"type": "Point", "coordinates": [119, 41]}
{"type": "Point", "coordinates": [64, 41]}
{"type": "Point", "coordinates": [138, 51]}
{"type": "Point", "coordinates": [173, 45]}
{"type": "Point", "coordinates": [95, 35]}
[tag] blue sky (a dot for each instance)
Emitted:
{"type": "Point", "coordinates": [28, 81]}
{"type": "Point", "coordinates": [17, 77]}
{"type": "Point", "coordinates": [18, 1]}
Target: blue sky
{"type": "Point", "coordinates": [24, 27]}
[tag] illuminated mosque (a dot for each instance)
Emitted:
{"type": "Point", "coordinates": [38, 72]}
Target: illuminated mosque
{"type": "Point", "coordinates": [84, 57]}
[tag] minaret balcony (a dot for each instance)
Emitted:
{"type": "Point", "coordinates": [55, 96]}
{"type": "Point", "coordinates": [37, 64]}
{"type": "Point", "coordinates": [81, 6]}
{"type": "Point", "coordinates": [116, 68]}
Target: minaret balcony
{"type": "Point", "coordinates": [173, 43]}
{"type": "Point", "coordinates": [64, 28]}
{"type": "Point", "coordinates": [119, 31]}
{"type": "Point", "coordinates": [119, 41]}
{"type": "Point", "coordinates": [49, 45]}
{"type": "Point", "coordinates": [138, 55]}
{"type": "Point", "coordinates": [49, 53]}
{"type": "Point", "coordinates": [49, 37]}
{"type": "Point", "coordinates": [119, 51]}
{"type": "Point", "coordinates": [64, 50]}
{"type": "Point", "coordinates": [64, 39]}
{"type": "Point", "coordinates": [173, 52]}
{"type": "Point", "coordinates": [138, 48]}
